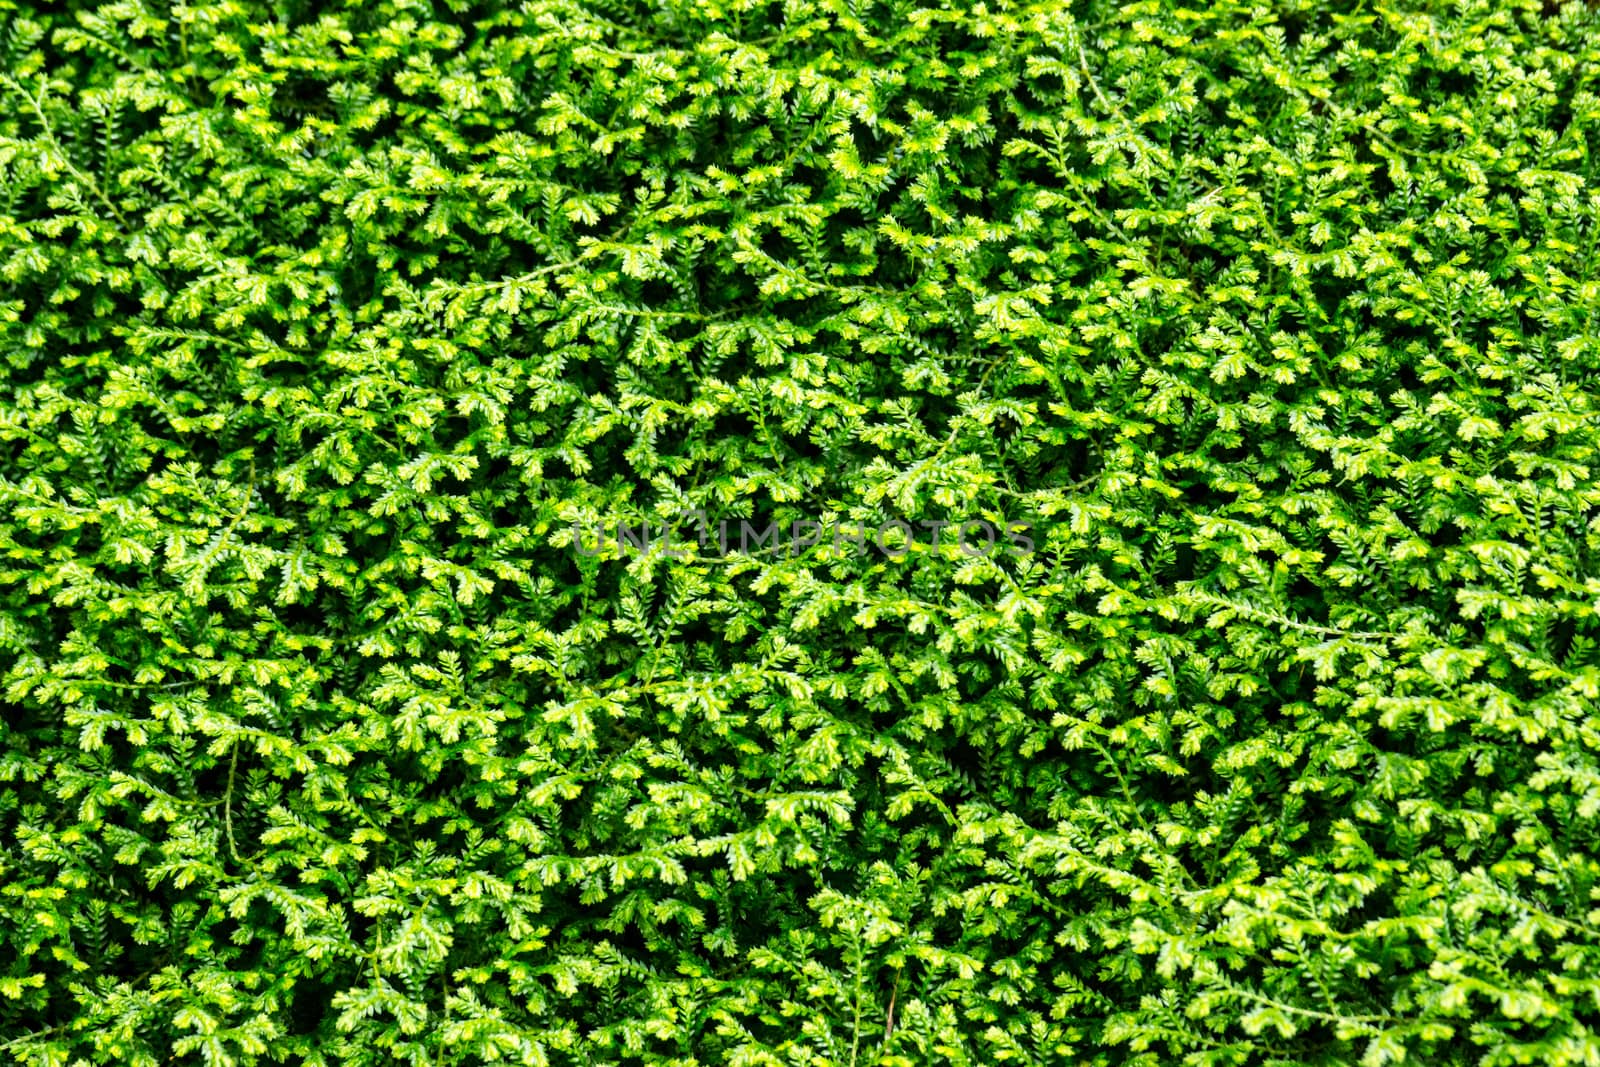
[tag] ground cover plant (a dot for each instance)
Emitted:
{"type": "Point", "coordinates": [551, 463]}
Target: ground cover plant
{"type": "Point", "coordinates": [336, 728]}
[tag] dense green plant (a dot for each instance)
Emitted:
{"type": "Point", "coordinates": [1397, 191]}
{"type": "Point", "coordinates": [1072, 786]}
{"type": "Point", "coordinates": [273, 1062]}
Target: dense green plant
{"type": "Point", "coordinates": [323, 326]}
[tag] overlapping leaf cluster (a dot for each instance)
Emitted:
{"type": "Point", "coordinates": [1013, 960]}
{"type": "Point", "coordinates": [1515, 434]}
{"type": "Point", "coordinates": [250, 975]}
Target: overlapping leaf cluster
{"type": "Point", "coordinates": [323, 325]}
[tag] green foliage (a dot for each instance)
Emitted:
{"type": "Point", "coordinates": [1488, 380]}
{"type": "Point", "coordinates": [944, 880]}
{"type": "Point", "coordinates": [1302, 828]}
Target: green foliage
{"type": "Point", "coordinates": [322, 325]}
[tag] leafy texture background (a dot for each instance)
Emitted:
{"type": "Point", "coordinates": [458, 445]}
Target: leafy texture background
{"type": "Point", "coordinates": [321, 325]}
